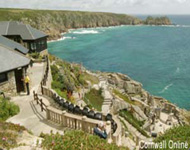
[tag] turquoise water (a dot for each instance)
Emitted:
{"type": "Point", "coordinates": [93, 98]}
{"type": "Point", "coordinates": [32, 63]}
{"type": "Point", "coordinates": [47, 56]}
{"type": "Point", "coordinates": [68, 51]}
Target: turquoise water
{"type": "Point", "coordinates": [158, 57]}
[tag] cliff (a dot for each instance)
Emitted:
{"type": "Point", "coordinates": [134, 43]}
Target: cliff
{"type": "Point", "coordinates": [55, 22]}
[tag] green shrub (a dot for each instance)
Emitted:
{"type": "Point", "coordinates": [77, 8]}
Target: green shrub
{"type": "Point", "coordinates": [57, 85]}
{"type": "Point", "coordinates": [82, 80]}
{"type": "Point", "coordinates": [80, 140]}
{"type": "Point", "coordinates": [35, 55]}
{"type": "Point", "coordinates": [8, 109]}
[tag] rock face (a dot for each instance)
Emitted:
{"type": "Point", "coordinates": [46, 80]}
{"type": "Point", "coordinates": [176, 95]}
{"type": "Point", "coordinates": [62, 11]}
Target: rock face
{"type": "Point", "coordinates": [132, 87]}
{"type": "Point", "coordinates": [118, 105]}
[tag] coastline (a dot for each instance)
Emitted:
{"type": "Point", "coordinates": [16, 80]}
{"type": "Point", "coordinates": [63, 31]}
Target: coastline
{"type": "Point", "coordinates": [138, 25]}
{"type": "Point", "coordinates": [121, 26]}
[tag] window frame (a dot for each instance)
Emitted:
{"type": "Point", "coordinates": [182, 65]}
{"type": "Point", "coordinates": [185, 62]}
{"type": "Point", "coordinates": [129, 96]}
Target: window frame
{"type": "Point", "coordinates": [5, 79]}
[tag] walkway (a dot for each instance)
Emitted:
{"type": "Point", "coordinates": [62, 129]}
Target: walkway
{"type": "Point", "coordinates": [107, 95]}
{"type": "Point", "coordinates": [30, 114]}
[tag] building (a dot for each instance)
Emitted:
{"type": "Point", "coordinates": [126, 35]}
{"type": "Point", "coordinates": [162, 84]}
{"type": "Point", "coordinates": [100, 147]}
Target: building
{"type": "Point", "coordinates": [13, 66]}
{"type": "Point", "coordinates": [13, 45]}
{"type": "Point", "coordinates": [29, 37]}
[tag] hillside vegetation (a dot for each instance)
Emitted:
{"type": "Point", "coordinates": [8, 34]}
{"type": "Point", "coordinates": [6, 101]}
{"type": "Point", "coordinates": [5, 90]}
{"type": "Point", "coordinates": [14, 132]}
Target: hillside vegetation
{"type": "Point", "coordinates": [73, 140]}
{"type": "Point", "coordinates": [7, 109]}
{"type": "Point", "coordinates": [157, 21]}
{"type": "Point", "coordinates": [54, 22]}
{"type": "Point", "coordinates": [176, 134]}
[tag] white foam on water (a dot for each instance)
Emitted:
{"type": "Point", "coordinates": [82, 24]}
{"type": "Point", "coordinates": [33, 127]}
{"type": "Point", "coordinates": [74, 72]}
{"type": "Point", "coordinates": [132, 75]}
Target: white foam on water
{"type": "Point", "coordinates": [86, 32]}
{"type": "Point", "coordinates": [166, 88]}
{"type": "Point", "coordinates": [177, 26]}
{"type": "Point", "coordinates": [61, 39]}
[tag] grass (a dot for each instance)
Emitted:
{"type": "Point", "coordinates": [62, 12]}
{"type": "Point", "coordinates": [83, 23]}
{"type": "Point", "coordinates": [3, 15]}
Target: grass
{"type": "Point", "coordinates": [94, 98]}
{"type": "Point", "coordinates": [133, 121]}
{"type": "Point", "coordinates": [7, 109]}
{"type": "Point", "coordinates": [79, 140]}
{"type": "Point", "coordinates": [91, 78]}
{"type": "Point", "coordinates": [63, 94]}
{"type": "Point", "coordinates": [122, 96]}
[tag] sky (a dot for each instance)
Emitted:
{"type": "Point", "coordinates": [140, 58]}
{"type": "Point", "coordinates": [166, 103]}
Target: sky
{"type": "Point", "coordinates": [116, 6]}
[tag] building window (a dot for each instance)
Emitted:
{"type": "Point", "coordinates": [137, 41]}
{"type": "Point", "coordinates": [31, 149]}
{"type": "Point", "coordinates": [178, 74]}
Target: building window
{"type": "Point", "coordinates": [3, 77]}
{"type": "Point", "coordinates": [33, 46]}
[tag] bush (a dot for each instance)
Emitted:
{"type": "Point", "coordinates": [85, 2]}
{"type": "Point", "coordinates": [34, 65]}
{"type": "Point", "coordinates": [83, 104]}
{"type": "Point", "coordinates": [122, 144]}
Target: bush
{"type": "Point", "coordinates": [80, 140]}
{"type": "Point", "coordinates": [8, 109]}
{"type": "Point", "coordinates": [57, 85]}
{"type": "Point", "coordinates": [35, 55]}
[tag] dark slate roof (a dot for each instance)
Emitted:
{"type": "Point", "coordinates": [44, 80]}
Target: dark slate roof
{"type": "Point", "coordinates": [17, 28]}
{"type": "Point", "coordinates": [13, 45]}
{"type": "Point", "coordinates": [11, 59]}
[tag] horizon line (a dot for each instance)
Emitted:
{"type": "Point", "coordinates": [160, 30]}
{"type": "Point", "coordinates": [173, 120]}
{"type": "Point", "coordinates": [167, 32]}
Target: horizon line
{"type": "Point", "coordinates": [51, 9]}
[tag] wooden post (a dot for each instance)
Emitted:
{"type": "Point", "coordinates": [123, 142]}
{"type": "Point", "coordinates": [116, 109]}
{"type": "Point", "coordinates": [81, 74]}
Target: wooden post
{"type": "Point", "coordinates": [34, 95]}
{"type": "Point", "coordinates": [42, 89]}
{"type": "Point", "coordinates": [41, 104]}
{"type": "Point", "coordinates": [37, 99]}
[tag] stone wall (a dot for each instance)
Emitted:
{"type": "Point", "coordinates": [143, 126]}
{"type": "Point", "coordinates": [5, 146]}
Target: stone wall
{"type": "Point", "coordinates": [9, 87]}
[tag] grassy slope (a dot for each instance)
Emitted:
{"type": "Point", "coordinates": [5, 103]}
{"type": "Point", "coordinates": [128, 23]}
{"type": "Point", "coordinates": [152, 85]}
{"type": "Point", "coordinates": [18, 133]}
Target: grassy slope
{"type": "Point", "coordinates": [95, 99]}
{"type": "Point", "coordinates": [53, 22]}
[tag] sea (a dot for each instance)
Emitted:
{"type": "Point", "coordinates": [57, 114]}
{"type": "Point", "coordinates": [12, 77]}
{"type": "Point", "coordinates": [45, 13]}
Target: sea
{"type": "Point", "coordinates": [156, 56]}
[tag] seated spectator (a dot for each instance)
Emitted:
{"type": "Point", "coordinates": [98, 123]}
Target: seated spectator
{"type": "Point", "coordinates": [100, 130]}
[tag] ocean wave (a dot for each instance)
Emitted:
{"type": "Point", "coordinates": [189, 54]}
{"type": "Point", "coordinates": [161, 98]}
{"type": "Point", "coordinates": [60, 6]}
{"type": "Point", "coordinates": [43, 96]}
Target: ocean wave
{"type": "Point", "coordinates": [61, 39]}
{"type": "Point", "coordinates": [86, 32]}
{"type": "Point", "coordinates": [177, 26]}
{"type": "Point", "coordinates": [166, 88]}
{"type": "Point", "coordinates": [64, 38]}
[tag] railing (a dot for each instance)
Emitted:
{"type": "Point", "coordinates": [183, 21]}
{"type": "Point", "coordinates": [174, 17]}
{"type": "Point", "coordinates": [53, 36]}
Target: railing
{"type": "Point", "coordinates": [74, 121]}
{"type": "Point", "coordinates": [40, 102]}
{"type": "Point", "coordinates": [45, 76]}
{"type": "Point", "coordinates": [69, 120]}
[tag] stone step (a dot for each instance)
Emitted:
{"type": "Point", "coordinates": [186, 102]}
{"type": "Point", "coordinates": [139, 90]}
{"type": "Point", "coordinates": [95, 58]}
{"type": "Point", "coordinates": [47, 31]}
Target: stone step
{"type": "Point", "coordinates": [106, 103]}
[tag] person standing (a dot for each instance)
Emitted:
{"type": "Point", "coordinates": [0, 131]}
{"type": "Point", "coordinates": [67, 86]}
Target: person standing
{"type": "Point", "coordinates": [27, 80]}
